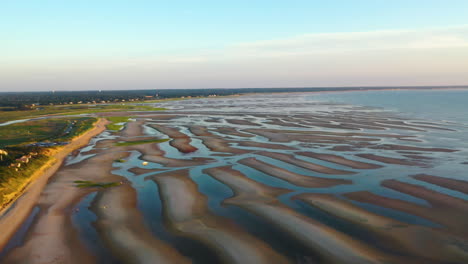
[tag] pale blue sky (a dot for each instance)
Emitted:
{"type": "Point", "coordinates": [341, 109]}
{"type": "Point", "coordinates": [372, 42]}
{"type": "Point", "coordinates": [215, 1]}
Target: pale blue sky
{"type": "Point", "coordinates": [117, 44]}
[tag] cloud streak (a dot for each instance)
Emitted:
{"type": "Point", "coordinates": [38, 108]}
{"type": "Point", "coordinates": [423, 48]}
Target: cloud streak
{"type": "Point", "coordinates": [433, 56]}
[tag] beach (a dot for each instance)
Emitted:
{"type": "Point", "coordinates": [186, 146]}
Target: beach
{"type": "Point", "coordinates": [261, 178]}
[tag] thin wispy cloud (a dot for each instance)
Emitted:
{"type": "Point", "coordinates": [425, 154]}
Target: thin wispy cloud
{"type": "Point", "coordinates": [385, 57]}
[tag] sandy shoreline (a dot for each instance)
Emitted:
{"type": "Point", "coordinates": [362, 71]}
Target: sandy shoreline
{"type": "Point", "coordinates": [12, 217]}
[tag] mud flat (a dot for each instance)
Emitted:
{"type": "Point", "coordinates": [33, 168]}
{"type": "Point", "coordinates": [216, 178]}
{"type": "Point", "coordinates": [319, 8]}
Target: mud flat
{"type": "Point", "coordinates": [151, 152]}
{"type": "Point", "coordinates": [221, 145]}
{"type": "Point", "coordinates": [233, 132]}
{"type": "Point", "coordinates": [200, 131]}
{"type": "Point", "coordinates": [411, 148]}
{"type": "Point", "coordinates": [187, 214]}
{"type": "Point", "coordinates": [138, 170]}
{"type": "Point", "coordinates": [291, 177]}
{"type": "Point", "coordinates": [388, 160]}
{"type": "Point", "coordinates": [304, 164]}
{"type": "Point", "coordinates": [121, 226]}
{"type": "Point", "coordinates": [453, 184]}
{"type": "Point", "coordinates": [279, 122]}
{"type": "Point", "coordinates": [213, 142]}
{"type": "Point", "coordinates": [180, 140]}
{"type": "Point", "coordinates": [275, 134]}
{"type": "Point", "coordinates": [340, 160]}
{"type": "Point", "coordinates": [133, 129]}
{"type": "Point", "coordinates": [241, 122]}
{"type": "Point", "coordinates": [263, 145]}
{"type": "Point", "coordinates": [12, 218]}
{"type": "Point", "coordinates": [438, 247]}
{"type": "Point", "coordinates": [259, 199]}
{"type": "Point", "coordinates": [446, 210]}
{"type": "Point", "coordinates": [52, 237]}
{"type": "Point", "coordinates": [287, 136]}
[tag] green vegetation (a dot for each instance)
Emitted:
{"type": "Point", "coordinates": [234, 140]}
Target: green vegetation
{"type": "Point", "coordinates": [21, 161]}
{"type": "Point", "coordinates": [115, 120]}
{"type": "Point", "coordinates": [90, 184]}
{"type": "Point", "coordinates": [138, 142]}
{"type": "Point", "coordinates": [13, 178]}
{"type": "Point", "coordinates": [73, 110]}
{"type": "Point", "coordinates": [120, 160]}
{"type": "Point", "coordinates": [44, 130]}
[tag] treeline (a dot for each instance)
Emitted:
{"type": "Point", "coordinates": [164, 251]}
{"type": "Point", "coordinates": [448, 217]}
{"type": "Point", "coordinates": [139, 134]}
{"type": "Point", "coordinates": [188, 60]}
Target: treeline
{"type": "Point", "coordinates": [24, 100]}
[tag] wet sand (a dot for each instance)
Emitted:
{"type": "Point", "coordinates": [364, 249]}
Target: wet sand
{"type": "Point", "coordinates": [180, 140]}
{"type": "Point", "coordinates": [389, 160]}
{"type": "Point", "coordinates": [453, 184]}
{"type": "Point", "coordinates": [291, 177]}
{"type": "Point", "coordinates": [122, 228]}
{"type": "Point", "coordinates": [202, 208]}
{"type": "Point", "coordinates": [52, 237]}
{"type": "Point", "coordinates": [304, 164]}
{"type": "Point", "coordinates": [392, 234]}
{"type": "Point", "coordinates": [261, 200]}
{"type": "Point", "coordinates": [263, 145]}
{"type": "Point", "coordinates": [340, 160]}
{"type": "Point", "coordinates": [12, 218]}
{"type": "Point", "coordinates": [187, 214]}
{"type": "Point", "coordinates": [444, 210]}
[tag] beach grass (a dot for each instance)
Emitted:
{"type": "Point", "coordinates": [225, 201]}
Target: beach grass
{"type": "Point", "coordinates": [13, 179]}
{"type": "Point", "coordinates": [44, 130]}
{"type": "Point", "coordinates": [116, 122]}
{"type": "Point", "coordinates": [73, 110]}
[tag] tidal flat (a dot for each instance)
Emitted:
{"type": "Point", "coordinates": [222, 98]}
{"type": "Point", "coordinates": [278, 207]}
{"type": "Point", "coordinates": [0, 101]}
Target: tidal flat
{"type": "Point", "coordinates": [270, 178]}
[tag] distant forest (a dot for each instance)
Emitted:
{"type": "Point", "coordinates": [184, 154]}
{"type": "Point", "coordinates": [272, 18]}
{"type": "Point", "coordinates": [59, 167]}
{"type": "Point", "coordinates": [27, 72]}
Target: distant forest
{"type": "Point", "coordinates": [24, 100]}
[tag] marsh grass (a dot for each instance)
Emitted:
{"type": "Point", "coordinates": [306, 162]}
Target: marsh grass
{"type": "Point", "coordinates": [49, 130]}
{"type": "Point", "coordinates": [73, 110]}
{"type": "Point", "coordinates": [116, 122]}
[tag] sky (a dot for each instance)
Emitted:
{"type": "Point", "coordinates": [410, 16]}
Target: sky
{"type": "Point", "coordinates": [138, 44]}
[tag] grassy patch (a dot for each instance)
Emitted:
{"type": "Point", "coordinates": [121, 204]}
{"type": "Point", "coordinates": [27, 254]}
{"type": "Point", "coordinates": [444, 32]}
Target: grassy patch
{"type": "Point", "coordinates": [16, 136]}
{"type": "Point", "coordinates": [12, 179]}
{"type": "Point", "coordinates": [138, 142]}
{"type": "Point", "coordinates": [49, 130]}
{"type": "Point", "coordinates": [120, 160]}
{"type": "Point", "coordinates": [115, 122]}
{"type": "Point", "coordinates": [90, 184]}
{"type": "Point", "coordinates": [73, 110]}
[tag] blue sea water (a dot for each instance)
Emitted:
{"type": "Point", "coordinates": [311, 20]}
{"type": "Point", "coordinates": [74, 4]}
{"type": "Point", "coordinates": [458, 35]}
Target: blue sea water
{"type": "Point", "coordinates": [447, 105]}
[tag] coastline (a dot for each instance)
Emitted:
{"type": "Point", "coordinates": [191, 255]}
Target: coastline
{"type": "Point", "coordinates": [29, 193]}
